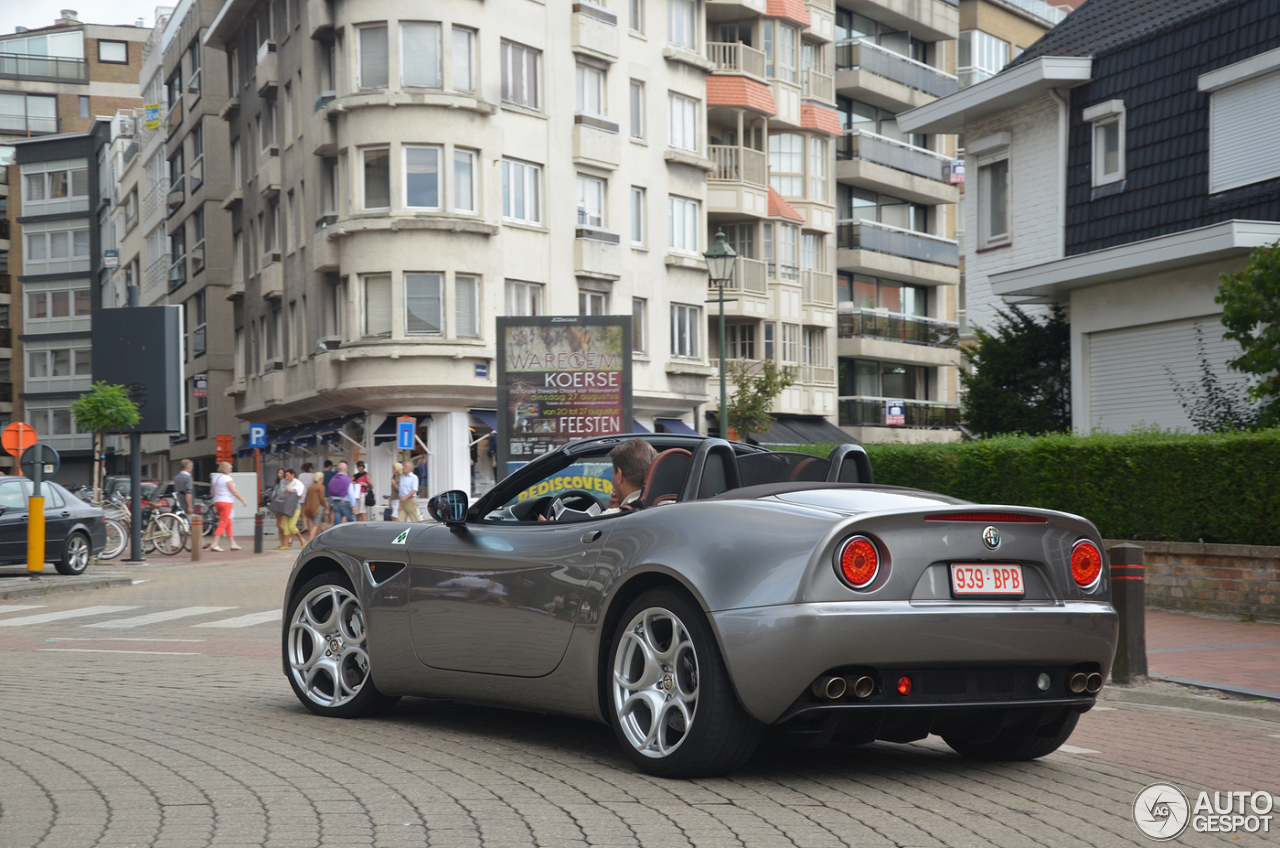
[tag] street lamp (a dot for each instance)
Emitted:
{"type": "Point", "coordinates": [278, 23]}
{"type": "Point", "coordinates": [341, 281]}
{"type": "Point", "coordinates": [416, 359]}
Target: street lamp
{"type": "Point", "coordinates": [721, 261]}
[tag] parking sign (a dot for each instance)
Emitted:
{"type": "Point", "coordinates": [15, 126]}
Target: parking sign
{"type": "Point", "coordinates": [257, 435]}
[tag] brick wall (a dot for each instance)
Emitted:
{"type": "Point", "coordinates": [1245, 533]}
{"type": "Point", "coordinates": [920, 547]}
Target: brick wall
{"type": "Point", "coordinates": [1236, 580]}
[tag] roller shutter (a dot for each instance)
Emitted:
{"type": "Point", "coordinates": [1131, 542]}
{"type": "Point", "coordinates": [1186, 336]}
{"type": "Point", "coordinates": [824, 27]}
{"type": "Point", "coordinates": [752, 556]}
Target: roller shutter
{"type": "Point", "coordinates": [1239, 117]}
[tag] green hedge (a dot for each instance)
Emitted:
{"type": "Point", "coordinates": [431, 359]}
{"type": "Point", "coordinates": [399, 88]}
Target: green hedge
{"type": "Point", "coordinates": [1222, 488]}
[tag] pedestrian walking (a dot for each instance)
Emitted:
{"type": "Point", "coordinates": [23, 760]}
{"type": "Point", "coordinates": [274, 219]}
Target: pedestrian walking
{"type": "Point", "coordinates": [365, 497]}
{"type": "Point", "coordinates": [407, 492]}
{"type": "Point", "coordinates": [304, 476]}
{"type": "Point", "coordinates": [225, 495]}
{"type": "Point", "coordinates": [271, 501]}
{"type": "Point", "coordinates": [314, 506]}
{"type": "Point", "coordinates": [184, 488]}
{"type": "Point", "coordinates": [329, 471]}
{"type": "Point", "coordinates": [339, 489]}
{"type": "Point", "coordinates": [294, 492]}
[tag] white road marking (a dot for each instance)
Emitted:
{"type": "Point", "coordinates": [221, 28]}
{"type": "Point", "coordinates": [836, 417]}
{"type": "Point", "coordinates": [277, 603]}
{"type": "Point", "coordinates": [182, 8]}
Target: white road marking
{"type": "Point", "coordinates": [105, 651]}
{"type": "Point", "coordinates": [156, 617]}
{"type": "Point", "coordinates": [115, 639]}
{"type": "Point", "coordinates": [1102, 709]}
{"type": "Point", "coordinates": [42, 618]}
{"type": "Point", "coordinates": [17, 609]}
{"type": "Point", "coordinates": [244, 620]}
{"type": "Point", "coordinates": [1072, 749]}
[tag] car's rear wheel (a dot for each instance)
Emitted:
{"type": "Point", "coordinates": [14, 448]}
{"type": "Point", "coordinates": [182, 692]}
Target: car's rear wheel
{"type": "Point", "coordinates": [76, 552]}
{"type": "Point", "coordinates": [325, 648]}
{"type": "Point", "coordinates": [1027, 741]}
{"type": "Point", "coordinates": [670, 700]}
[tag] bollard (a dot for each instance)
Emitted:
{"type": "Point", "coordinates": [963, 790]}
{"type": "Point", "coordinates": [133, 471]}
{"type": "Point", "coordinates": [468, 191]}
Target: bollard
{"type": "Point", "coordinates": [257, 532]}
{"type": "Point", "coordinates": [1129, 596]}
{"type": "Point", "coordinates": [197, 536]}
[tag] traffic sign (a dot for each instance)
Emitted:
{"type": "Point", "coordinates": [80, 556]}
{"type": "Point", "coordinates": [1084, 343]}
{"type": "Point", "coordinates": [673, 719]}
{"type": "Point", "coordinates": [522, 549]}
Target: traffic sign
{"type": "Point", "coordinates": [405, 428]}
{"type": "Point", "coordinates": [257, 435]}
{"type": "Point", "coordinates": [43, 455]}
{"type": "Point", "coordinates": [17, 437]}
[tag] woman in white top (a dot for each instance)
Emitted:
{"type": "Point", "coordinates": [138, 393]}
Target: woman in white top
{"type": "Point", "coordinates": [224, 489]}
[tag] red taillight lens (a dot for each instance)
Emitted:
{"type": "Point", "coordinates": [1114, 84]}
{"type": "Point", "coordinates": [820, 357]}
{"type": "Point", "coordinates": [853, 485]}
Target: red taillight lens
{"type": "Point", "coordinates": [1086, 564]}
{"type": "Point", "coordinates": [904, 686]}
{"type": "Point", "coordinates": [858, 562]}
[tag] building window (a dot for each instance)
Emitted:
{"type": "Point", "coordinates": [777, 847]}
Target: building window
{"type": "Point", "coordinates": [786, 164]}
{"type": "Point", "coordinates": [524, 298]}
{"type": "Point", "coordinates": [590, 89]}
{"type": "Point", "coordinates": [1108, 141]}
{"type": "Point", "coordinates": [780, 50]}
{"type": "Point", "coordinates": [421, 177]}
{"type": "Point", "coordinates": [422, 304]}
{"type": "Point", "coordinates": [637, 109]}
{"type": "Point", "coordinates": [60, 184]}
{"type": "Point", "coordinates": [980, 56]}
{"type": "Point", "coordinates": [993, 202]}
{"type": "Point", "coordinates": [520, 75]}
{"type": "Point", "coordinates": [59, 362]}
{"type": "Point", "coordinates": [741, 341]}
{"type": "Point", "coordinates": [197, 319]}
{"type": "Point", "coordinates": [817, 168]}
{"type": "Point", "coordinates": [464, 59]}
{"type": "Point", "coordinates": [521, 191]}
{"type": "Point", "coordinates": [466, 294]}
{"type": "Point", "coordinates": [1242, 109]}
{"type": "Point", "coordinates": [685, 223]}
{"type": "Point", "coordinates": [637, 215]}
{"type": "Point", "coordinates": [377, 177]}
{"type": "Point", "coordinates": [637, 16]}
{"type": "Point", "coordinates": [790, 348]}
{"type": "Point", "coordinates": [682, 23]}
{"type": "Point", "coordinates": [638, 324]}
{"type": "Point", "coordinates": [814, 351]}
{"type": "Point", "coordinates": [813, 252]}
{"type": "Point", "coordinates": [28, 113]}
{"type": "Point", "coordinates": [590, 201]}
{"type": "Point", "coordinates": [113, 52]}
{"type": "Point", "coordinates": [377, 306]}
{"type": "Point", "coordinates": [373, 57]}
{"type": "Point", "coordinates": [464, 181]}
{"type": "Point", "coordinates": [60, 304]}
{"type": "Point", "coordinates": [769, 328]}
{"type": "Point", "coordinates": [871, 293]}
{"type": "Point", "coordinates": [420, 55]}
{"type": "Point", "coordinates": [84, 105]}
{"type": "Point", "coordinates": [684, 122]}
{"type": "Point", "coordinates": [593, 303]}
{"type": "Point", "coordinates": [686, 324]}
{"type": "Point", "coordinates": [197, 250]}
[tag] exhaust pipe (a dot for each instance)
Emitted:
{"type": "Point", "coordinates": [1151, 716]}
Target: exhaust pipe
{"type": "Point", "coordinates": [862, 687]}
{"type": "Point", "coordinates": [1093, 684]}
{"type": "Point", "coordinates": [1079, 681]}
{"type": "Point", "coordinates": [829, 687]}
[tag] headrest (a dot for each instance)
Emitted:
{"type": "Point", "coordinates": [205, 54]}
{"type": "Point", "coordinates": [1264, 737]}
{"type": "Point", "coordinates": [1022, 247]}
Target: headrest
{"type": "Point", "coordinates": [666, 475]}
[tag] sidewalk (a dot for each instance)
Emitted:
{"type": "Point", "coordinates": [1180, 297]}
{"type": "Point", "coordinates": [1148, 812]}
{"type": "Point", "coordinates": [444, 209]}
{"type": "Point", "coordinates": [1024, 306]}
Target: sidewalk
{"type": "Point", "coordinates": [1218, 653]}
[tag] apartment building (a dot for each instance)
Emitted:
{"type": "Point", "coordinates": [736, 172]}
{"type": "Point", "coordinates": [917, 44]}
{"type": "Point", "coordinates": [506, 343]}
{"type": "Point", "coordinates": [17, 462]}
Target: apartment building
{"type": "Point", "coordinates": [897, 255]}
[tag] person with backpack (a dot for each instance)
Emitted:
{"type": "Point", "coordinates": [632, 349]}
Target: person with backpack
{"type": "Point", "coordinates": [340, 495]}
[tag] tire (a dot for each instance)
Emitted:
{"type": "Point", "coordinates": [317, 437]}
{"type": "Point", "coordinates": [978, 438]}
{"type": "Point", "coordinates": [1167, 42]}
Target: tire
{"type": "Point", "coordinates": [117, 539]}
{"type": "Point", "coordinates": [76, 553]}
{"type": "Point", "coordinates": [668, 694]}
{"type": "Point", "coordinates": [326, 610]}
{"type": "Point", "coordinates": [168, 534]}
{"type": "Point", "coordinates": [1015, 744]}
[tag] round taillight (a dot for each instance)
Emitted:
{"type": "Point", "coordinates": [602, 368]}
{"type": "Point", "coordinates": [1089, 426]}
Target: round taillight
{"type": "Point", "coordinates": [904, 686]}
{"type": "Point", "coordinates": [858, 561]}
{"type": "Point", "coordinates": [1086, 564]}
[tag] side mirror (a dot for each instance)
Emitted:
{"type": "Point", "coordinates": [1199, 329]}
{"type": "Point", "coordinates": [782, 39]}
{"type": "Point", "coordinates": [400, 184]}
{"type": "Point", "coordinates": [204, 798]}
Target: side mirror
{"type": "Point", "coordinates": [449, 507]}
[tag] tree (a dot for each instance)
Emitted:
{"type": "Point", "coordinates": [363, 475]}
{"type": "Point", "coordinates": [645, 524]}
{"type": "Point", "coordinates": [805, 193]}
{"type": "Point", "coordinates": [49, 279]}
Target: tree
{"type": "Point", "coordinates": [1250, 300]}
{"type": "Point", "coordinates": [1018, 378]}
{"type": "Point", "coordinates": [1214, 407]}
{"type": "Point", "coordinates": [751, 407]}
{"type": "Point", "coordinates": [105, 408]}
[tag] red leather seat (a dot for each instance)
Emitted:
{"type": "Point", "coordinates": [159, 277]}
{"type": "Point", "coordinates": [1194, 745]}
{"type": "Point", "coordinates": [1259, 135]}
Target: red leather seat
{"type": "Point", "coordinates": [665, 478]}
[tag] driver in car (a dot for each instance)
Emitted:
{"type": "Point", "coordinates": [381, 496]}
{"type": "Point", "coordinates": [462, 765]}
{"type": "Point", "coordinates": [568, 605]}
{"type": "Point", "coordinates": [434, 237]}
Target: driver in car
{"type": "Point", "coordinates": [631, 461]}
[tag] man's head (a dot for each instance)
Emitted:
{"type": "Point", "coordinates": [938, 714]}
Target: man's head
{"type": "Point", "coordinates": [186, 465]}
{"type": "Point", "coordinates": [342, 468]}
{"type": "Point", "coordinates": [289, 474]}
{"type": "Point", "coordinates": [631, 461]}
{"type": "Point", "coordinates": [328, 463]}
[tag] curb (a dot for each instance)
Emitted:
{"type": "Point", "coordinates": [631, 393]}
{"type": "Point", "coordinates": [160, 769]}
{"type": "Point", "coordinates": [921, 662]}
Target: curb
{"type": "Point", "coordinates": [1189, 699]}
{"type": "Point", "coordinates": [56, 587]}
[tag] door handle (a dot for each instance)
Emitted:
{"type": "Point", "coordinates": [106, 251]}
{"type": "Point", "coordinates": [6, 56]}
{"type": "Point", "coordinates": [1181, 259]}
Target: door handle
{"type": "Point", "coordinates": [590, 536]}
{"type": "Point", "coordinates": [65, 514]}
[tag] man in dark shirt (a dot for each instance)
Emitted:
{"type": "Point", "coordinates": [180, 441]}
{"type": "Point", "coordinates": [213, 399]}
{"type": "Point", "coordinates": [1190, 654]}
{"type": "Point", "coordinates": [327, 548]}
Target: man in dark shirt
{"type": "Point", "coordinates": [328, 473]}
{"type": "Point", "coordinates": [184, 487]}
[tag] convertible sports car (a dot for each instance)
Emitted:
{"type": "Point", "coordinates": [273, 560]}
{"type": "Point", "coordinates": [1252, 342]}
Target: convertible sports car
{"type": "Point", "coordinates": [756, 590]}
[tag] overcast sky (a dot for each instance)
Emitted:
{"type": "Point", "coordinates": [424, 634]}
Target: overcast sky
{"type": "Point", "coordinates": [42, 13]}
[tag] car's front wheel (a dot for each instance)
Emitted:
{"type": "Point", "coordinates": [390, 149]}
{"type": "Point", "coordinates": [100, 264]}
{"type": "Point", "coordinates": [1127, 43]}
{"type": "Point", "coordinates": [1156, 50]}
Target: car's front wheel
{"type": "Point", "coordinates": [1024, 741]}
{"type": "Point", "coordinates": [325, 648]}
{"type": "Point", "coordinates": [671, 703]}
{"type": "Point", "coordinates": [75, 554]}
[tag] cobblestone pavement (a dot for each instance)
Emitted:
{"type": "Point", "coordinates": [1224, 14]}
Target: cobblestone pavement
{"type": "Point", "coordinates": [173, 727]}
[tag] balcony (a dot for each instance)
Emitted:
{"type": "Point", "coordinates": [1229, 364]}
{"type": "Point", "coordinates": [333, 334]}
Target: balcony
{"type": "Point", "coordinates": [816, 85]}
{"type": "Point", "coordinates": [176, 197]}
{"type": "Point", "coordinates": [736, 58]}
{"type": "Point", "coordinates": [178, 273]}
{"type": "Point", "coordinates": [27, 125]}
{"type": "Point", "coordinates": [821, 375]}
{"type": "Point", "coordinates": [48, 68]}
{"type": "Point", "coordinates": [173, 118]}
{"type": "Point", "coordinates": [882, 238]}
{"type": "Point", "coordinates": [749, 276]}
{"type": "Point", "coordinates": [320, 17]}
{"type": "Point", "coordinates": [898, 327]}
{"type": "Point", "coordinates": [272, 278]}
{"type": "Point", "coordinates": [918, 414]}
{"type": "Point", "coordinates": [266, 75]}
{"type": "Point", "coordinates": [734, 163]}
{"type": "Point", "coordinates": [884, 63]}
{"type": "Point", "coordinates": [894, 167]}
{"type": "Point", "coordinates": [818, 287]}
{"type": "Point", "coordinates": [268, 176]}
{"type": "Point", "coordinates": [1053, 15]}
{"type": "Point", "coordinates": [594, 31]}
{"type": "Point", "coordinates": [324, 252]}
{"type": "Point", "coordinates": [154, 279]}
{"type": "Point", "coordinates": [596, 254]}
{"type": "Point", "coordinates": [596, 142]}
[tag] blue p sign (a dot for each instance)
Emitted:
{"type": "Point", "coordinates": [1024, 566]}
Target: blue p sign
{"type": "Point", "coordinates": [257, 435]}
{"type": "Point", "coordinates": [404, 434]}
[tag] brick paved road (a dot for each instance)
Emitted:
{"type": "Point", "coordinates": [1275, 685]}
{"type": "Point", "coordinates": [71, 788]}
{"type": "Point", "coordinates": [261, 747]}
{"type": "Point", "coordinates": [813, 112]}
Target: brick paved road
{"type": "Point", "coordinates": [122, 736]}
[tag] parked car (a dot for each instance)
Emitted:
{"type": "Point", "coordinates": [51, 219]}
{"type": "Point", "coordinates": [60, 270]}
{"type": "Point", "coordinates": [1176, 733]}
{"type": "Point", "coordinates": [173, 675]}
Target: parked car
{"type": "Point", "coordinates": [754, 591]}
{"type": "Point", "coordinates": [74, 531]}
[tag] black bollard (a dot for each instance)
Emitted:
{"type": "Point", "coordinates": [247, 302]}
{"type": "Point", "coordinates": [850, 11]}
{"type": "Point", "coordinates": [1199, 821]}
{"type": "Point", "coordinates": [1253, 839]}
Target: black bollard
{"type": "Point", "coordinates": [257, 532]}
{"type": "Point", "coordinates": [1129, 597]}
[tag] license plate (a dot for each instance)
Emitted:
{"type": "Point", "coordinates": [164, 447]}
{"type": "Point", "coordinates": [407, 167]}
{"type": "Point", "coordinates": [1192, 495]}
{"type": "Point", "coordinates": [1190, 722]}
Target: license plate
{"type": "Point", "coordinates": [982, 578]}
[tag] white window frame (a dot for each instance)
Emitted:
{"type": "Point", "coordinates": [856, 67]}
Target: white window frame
{"type": "Point", "coordinates": [431, 299]}
{"type": "Point", "coordinates": [685, 216]}
{"type": "Point", "coordinates": [638, 228]}
{"type": "Point", "coordinates": [593, 201]}
{"type": "Point", "coordinates": [789, 350]}
{"type": "Point", "coordinates": [986, 238]}
{"type": "Point", "coordinates": [404, 162]}
{"type": "Point", "coordinates": [462, 46]}
{"type": "Point", "coordinates": [590, 86]}
{"type": "Point", "coordinates": [682, 114]}
{"type": "Point", "coordinates": [467, 181]}
{"type": "Point", "coordinates": [637, 109]}
{"type": "Point", "coordinates": [1105, 118]}
{"type": "Point", "coordinates": [524, 91]}
{"type": "Point", "coordinates": [639, 325]}
{"type": "Point", "coordinates": [524, 298]}
{"type": "Point", "coordinates": [466, 325]}
{"type": "Point", "coordinates": [434, 78]}
{"type": "Point", "coordinates": [636, 12]}
{"type": "Point", "coordinates": [818, 182]}
{"type": "Point", "coordinates": [592, 302]}
{"type": "Point", "coordinates": [786, 167]}
{"type": "Point", "coordinates": [682, 23]}
{"type": "Point", "coordinates": [529, 177]}
{"type": "Point", "coordinates": [374, 83]}
{"type": "Point", "coordinates": [367, 330]}
{"type": "Point", "coordinates": [686, 331]}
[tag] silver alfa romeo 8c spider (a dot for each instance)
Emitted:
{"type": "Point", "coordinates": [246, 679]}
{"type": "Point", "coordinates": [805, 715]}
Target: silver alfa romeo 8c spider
{"type": "Point", "coordinates": [747, 592]}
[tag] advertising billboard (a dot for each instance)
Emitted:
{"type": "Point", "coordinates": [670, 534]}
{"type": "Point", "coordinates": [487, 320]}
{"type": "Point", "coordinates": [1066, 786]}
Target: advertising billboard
{"type": "Point", "coordinates": [560, 379]}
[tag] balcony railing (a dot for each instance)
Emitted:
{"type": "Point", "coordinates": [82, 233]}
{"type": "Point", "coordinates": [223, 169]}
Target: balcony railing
{"type": "Point", "coordinates": [155, 277]}
{"type": "Point", "coordinates": [748, 276]}
{"type": "Point", "coordinates": [919, 414]}
{"type": "Point", "coordinates": [21, 66]}
{"type": "Point", "coordinates": [863, 55]}
{"type": "Point", "coordinates": [1052, 14]}
{"type": "Point", "coordinates": [882, 238]}
{"type": "Point", "coordinates": [6, 337]}
{"type": "Point", "coordinates": [735, 57]}
{"type": "Point", "coordinates": [898, 327]}
{"type": "Point", "coordinates": [24, 124]}
{"type": "Point", "coordinates": [818, 287]}
{"type": "Point", "coordinates": [823, 374]}
{"type": "Point", "coordinates": [860, 144]}
{"type": "Point", "coordinates": [818, 85]}
{"type": "Point", "coordinates": [738, 164]}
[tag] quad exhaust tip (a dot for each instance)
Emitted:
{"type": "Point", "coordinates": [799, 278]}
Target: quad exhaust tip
{"type": "Point", "coordinates": [831, 688]}
{"type": "Point", "coordinates": [1094, 683]}
{"type": "Point", "coordinates": [1079, 681]}
{"type": "Point", "coordinates": [861, 687]}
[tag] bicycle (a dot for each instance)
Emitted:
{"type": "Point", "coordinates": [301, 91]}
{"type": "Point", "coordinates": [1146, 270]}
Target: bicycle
{"type": "Point", "coordinates": [116, 520]}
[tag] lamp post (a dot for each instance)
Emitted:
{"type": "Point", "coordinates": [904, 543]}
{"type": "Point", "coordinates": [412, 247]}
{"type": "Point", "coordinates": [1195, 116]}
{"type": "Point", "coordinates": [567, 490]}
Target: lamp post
{"type": "Point", "coordinates": [721, 261]}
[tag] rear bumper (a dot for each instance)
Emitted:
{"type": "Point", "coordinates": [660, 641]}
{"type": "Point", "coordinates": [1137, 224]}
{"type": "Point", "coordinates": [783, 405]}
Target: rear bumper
{"type": "Point", "coordinates": [774, 653]}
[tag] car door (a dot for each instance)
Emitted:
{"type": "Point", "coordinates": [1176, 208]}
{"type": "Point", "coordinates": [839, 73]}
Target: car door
{"type": "Point", "coordinates": [500, 599]}
{"type": "Point", "coordinates": [13, 521]}
{"type": "Point", "coordinates": [57, 521]}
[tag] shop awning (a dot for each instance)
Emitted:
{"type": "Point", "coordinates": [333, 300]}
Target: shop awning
{"type": "Point", "coordinates": [802, 430]}
{"type": "Point", "coordinates": [245, 449]}
{"type": "Point", "coordinates": [637, 427]}
{"type": "Point", "coordinates": [488, 416]}
{"type": "Point", "coordinates": [676, 426]}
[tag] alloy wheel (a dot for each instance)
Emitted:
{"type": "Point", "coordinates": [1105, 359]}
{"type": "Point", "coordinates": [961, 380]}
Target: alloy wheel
{"type": "Point", "coordinates": [655, 682]}
{"type": "Point", "coordinates": [326, 647]}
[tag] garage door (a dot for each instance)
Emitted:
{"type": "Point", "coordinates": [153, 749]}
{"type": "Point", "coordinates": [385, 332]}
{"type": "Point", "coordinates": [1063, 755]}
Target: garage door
{"type": "Point", "coordinates": [1132, 372]}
